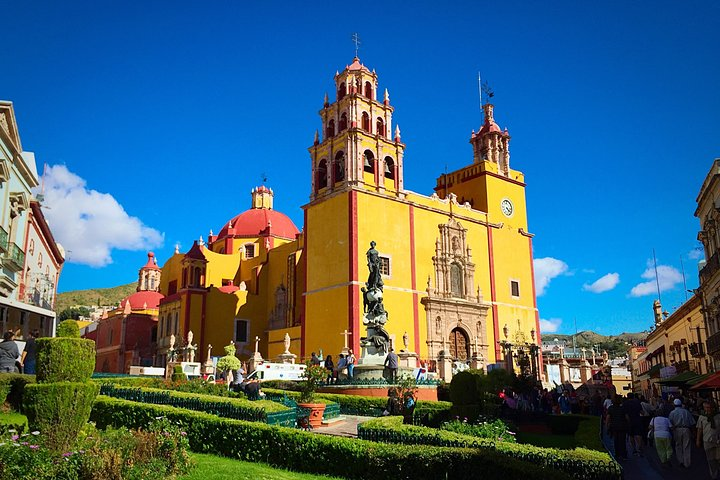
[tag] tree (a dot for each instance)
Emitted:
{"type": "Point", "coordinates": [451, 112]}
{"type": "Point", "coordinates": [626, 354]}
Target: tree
{"type": "Point", "coordinates": [73, 313]}
{"type": "Point", "coordinates": [229, 361]}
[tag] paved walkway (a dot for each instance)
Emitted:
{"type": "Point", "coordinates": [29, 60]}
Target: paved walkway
{"type": "Point", "coordinates": [343, 428]}
{"type": "Point", "coordinates": [649, 467]}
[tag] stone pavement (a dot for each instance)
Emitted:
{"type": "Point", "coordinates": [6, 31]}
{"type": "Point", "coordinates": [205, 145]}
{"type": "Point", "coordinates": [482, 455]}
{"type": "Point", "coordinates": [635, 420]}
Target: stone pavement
{"type": "Point", "coordinates": [343, 428]}
{"type": "Point", "coordinates": [649, 467]}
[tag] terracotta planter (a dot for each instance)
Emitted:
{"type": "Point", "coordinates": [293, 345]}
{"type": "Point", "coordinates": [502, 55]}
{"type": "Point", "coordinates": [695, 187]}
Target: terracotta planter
{"type": "Point", "coordinates": [316, 413]}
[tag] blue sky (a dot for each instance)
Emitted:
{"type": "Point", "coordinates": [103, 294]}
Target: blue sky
{"type": "Point", "coordinates": [158, 119]}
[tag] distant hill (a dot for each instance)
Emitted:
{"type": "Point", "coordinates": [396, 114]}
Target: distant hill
{"type": "Point", "coordinates": [94, 296]}
{"type": "Point", "coordinates": [616, 345]}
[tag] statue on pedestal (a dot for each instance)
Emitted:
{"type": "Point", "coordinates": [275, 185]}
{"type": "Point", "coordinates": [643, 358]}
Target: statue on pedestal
{"type": "Point", "coordinates": [374, 315]}
{"type": "Point", "coordinates": [190, 348]}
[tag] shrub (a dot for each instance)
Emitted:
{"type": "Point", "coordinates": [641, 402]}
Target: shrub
{"type": "Point", "coordinates": [587, 434]}
{"type": "Point", "coordinates": [65, 359]}
{"type": "Point", "coordinates": [178, 375]}
{"type": "Point", "coordinates": [69, 329]}
{"type": "Point", "coordinates": [59, 410]}
{"type": "Point", "coordinates": [491, 429]}
{"type": "Point", "coordinates": [12, 422]}
{"type": "Point", "coordinates": [579, 463]}
{"type": "Point", "coordinates": [464, 387]}
{"type": "Point", "coordinates": [313, 378]}
{"type": "Point", "coordinates": [308, 452]}
{"type": "Point", "coordinates": [12, 386]}
{"type": "Point", "coordinates": [282, 385]}
{"type": "Point", "coordinates": [229, 361]}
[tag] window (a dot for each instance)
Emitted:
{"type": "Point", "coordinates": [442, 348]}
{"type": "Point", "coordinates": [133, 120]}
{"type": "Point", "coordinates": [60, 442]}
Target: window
{"type": "Point", "coordinates": [514, 288]}
{"type": "Point", "coordinates": [241, 330]}
{"type": "Point", "coordinates": [385, 266]}
{"type": "Point", "coordinates": [40, 260]}
{"type": "Point", "coordinates": [177, 323]}
{"type": "Point", "coordinates": [172, 287]}
{"type": "Point", "coordinates": [321, 180]}
{"type": "Point", "coordinates": [249, 250]}
{"type": "Point", "coordinates": [389, 168]}
{"type": "Point", "coordinates": [31, 249]}
{"type": "Point", "coordinates": [330, 132]}
{"type": "Point", "coordinates": [341, 91]}
{"type": "Point", "coordinates": [343, 122]}
{"type": "Point", "coordinates": [369, 165]}
{"type": "Point", "coordinates": [339, 167]}
{"type": "Point", "coordinates": [366, 122]}
{"type": "Point", "coordinates": [380, 127]}
{"type": "Point", "coordinates": [368, 90]}
{"type": "Point", "coordinates": [456, 280]}
{"type": "Point", "coordinates": [47, 271]}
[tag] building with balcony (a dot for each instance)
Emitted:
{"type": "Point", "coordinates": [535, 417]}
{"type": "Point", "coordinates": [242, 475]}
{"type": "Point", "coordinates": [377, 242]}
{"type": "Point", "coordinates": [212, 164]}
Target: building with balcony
{"type": "Point", "coordinates": [27, 285]}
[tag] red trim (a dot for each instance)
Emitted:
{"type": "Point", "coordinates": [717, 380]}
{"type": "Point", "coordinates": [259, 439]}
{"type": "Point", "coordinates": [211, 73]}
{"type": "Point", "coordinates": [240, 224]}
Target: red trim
{"type": "Point", "coordinates": [377, 173]}
{"type": "Point", "coordinates": [413, 281]}
{"type": "Point", "coordinates": [537, 312]}
{"type": "Point", "coordinates": [46, 233]}
{"type": "Point", "coordinates": [187, 314]}
{"type": "Point", "coordinates": [303, 307]}
{"type": "Point", "coordinates": [202, 325]}
{"type": "Point", "coordinates": [353, 288]}
{"type": "Point", "coordinates": [496, 325]}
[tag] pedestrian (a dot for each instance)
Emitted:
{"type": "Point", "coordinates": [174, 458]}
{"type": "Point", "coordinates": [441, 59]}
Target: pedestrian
{"type": "Point", "coordinates": [351, 361]}
{"type": "Point", "coordinates": [682, 421]}
{"type": "Point", "coordinates": [708, 437]}
{"type": "Point", "coordinates": [564, 402]}
{"type": "Point", "coordinates": [314, 360]}
{"type": "Point", "coordinates": [633, 409]}
{"type": "Point", "coordinates": [659, 431]}
{"type": "Point", "coordinates": [9, 353]}
{"type": "Point", "coordinates": [341, 368]}
{"type": "Point", "coordinates": [330, 367]}
{"type": "Point", "coordinates": [391, 363]}
{"type": "Point", "coordinates": [617, 426]}
{"type": "Point", "coordinates": [29, 354]}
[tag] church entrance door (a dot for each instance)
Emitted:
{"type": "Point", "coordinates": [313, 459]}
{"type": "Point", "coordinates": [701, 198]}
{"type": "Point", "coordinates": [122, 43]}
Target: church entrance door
{"type": "Point", "coordinates": [459, 345]}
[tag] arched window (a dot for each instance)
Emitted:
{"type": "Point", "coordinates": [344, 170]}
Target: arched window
{"type": "Point", "coordinates": [40, 260]}
{"type": "Point", "coordinates": [177, 323]}
{"type": "Point", "coordinates": [380, 127]}
{"type": "Point", "coordinates": [196, 277]}
{"type": "Point", "coordinates": [369, 90]}
{"type": "Point", "coordinates": [343, 122]}
{"type": "Point", "coordinates": [31, 249]}
{"type": "Point", "coordinates": [330, 132]}
{"type": "Point", "coordinates": [321, 180]}
{"type": "Point", "coordinates": [369, 165]}
{"type": "Point", "coordinates": [366, 121]}
{"type": "Point", "coordinates": [389, 168]}
{"type": "Point", "coordinates": [341, 91]}
{"type": "Point", "coordinates": [339, 167]}
{"type": "Point", "coordinates": [456, 280]}
{"type": "Point", "coordinates": [185, 278]}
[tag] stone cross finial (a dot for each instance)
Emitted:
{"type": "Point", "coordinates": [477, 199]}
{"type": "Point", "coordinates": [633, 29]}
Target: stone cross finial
{"type": "Point", "coordinates": [346, 334]}
{"type": "Point", "coordinates": [257, 344]}
{"type": "Point", "coordinates": [583, 350]}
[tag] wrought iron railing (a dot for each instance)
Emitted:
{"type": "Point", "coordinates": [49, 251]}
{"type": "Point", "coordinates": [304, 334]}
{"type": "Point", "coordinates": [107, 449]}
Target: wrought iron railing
{"type": "Point", "coordinates": [3, 239]}
{"type": "Point", "coordinates": [711, 266]}
{"type": "Point", "coordinates": [713, 343]}
{"type": "Point", "coordinates": [15, 255]}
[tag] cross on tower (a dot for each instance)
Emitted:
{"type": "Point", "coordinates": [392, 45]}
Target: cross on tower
{"type": "Point", "coordinates": [356, 41]}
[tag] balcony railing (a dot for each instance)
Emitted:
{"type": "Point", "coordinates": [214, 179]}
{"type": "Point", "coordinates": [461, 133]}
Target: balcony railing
{"type": "Point", "coordinates": [710, 267]}
{"type": "Point", "coordinates": [3, 240]}
{"type": "Point", "coordinates": [697, 350]}
{"type": "Point", "coordinates": [713, 343]}
{"type": "Point", "coordinates": [14, 257]}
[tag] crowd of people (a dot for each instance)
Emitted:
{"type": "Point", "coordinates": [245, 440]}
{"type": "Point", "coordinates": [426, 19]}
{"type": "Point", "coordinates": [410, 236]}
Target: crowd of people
{"type": "Point", "coordinates": [344, 368]}
{"type": "Point", "coordinates": [11, 360]}
{"type": "Point", "coordinates": [671, 425]}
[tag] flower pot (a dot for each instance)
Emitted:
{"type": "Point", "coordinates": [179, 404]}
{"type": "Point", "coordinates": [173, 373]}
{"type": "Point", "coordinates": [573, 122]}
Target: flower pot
{"type": "Point", "coordinates": [315, 414]}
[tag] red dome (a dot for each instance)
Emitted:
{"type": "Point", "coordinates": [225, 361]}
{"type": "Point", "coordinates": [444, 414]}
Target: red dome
{"type": "Point", "coordinates": [142, 300]}
{"type": "Point", "coordinates": [254, 223]}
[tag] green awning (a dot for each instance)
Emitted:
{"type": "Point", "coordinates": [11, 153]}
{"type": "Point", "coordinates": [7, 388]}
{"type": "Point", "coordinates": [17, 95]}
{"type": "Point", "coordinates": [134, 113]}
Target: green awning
{"type": "Point", "coordinates": [699, 379]}
{"type": "Point", "coordinates": [680, 379]}
{"type": "Point", "coordinates": [653, 371]}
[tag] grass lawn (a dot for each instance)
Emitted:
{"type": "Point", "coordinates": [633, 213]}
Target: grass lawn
{"type": "Point", "coordinates": [565, 442]}
{"type": "Point", "coordinates": [211, 467]}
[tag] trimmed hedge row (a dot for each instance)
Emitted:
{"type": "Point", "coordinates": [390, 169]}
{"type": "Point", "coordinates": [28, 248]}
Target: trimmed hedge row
{"type": "Point", "coordinates": [12, 386]}
{"type": "Point", "coordinates": [13, 421]}
{"type": "Point", "coordinates": [579, 463]}
{"type": "Point", "coordinates": [587, 434]}
{"type": "Point", "coordinates": [237, 408]}
{"type": "Point", "coordinates": [307, 452]}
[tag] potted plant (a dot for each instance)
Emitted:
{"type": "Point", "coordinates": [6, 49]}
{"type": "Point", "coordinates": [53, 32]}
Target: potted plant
{"type": "Point", "coordinates": [313, 378]}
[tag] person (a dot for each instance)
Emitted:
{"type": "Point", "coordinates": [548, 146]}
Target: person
{"type": "Point", "coordinates": [682, 421]}
{"type": "Point", "coordinates": [596, 404]}
{"type": "Point", "coordinates": [351, 360]}
{"type": "Point", "coordinates": [616, 423]}
{"type": "Point", "coordinates": [29, 354]}
{"type": "Point", "coordinates": [564, 402]}
{"type": "Point", "coordinates": [314, 360]}
{"type": "Point", "coordinates": [633, 409]}
{"type": "Point", "coordinates": [341, 366]}
{"type": "Point", "coordinates": [659, 431]}
{"type": "Point", "coordinates": [708, 437]}
{"type": "Point", "coordinates": [391, 363]}
{"type": "Point", "coordinates": [242, 371]}
{"type": "Point", "coordinates": [646, 414]}
{"type": "Point", "coordinates": [9, 353]}
{"type": "Point", "coordinates": [393, 405]}
{"type": "Point", "coordinates": [330, 367]}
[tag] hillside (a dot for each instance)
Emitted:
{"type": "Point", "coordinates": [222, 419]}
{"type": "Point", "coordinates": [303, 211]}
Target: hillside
{"type": "Point", "coordinates": [615, 345]}
{"type": "Point", "coordinates": [95, 296]}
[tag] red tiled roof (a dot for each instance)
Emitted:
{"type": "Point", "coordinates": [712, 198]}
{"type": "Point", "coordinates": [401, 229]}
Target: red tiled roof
{"type": "Point", "coordinates": [142, 300]}
{"type": "Point", "coordinates": [254, 223]}
{"type": "Point", "coordinates": [151, 265]}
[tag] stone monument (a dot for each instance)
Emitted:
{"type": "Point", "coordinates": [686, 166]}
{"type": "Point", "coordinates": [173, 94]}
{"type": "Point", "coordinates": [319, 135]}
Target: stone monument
{"type": "Point", "coordinates": [256, 359]}
{"type": "Point", "coordinates": [286, 356]}
{"type": "Point", "coordinates": [208, 367]}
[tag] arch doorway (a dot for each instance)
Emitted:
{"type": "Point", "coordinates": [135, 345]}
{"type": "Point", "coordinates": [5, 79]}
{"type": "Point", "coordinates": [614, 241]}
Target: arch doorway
{"type": "Point", "coordinates": [459, 345]}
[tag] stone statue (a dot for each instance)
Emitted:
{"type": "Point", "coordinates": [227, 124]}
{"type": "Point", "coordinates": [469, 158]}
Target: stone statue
{"type": "Point", "coordinates": [172, 341]}
{"type": "Point", "coordinates": [209, 355]}
{"type": "Point", "coordinates": [373, 259]}
{"type": "Point", "coordinates": [374, 315]}
{"type": "Point", "coordinates": [190, 348]}
{"type": "Point", "coordinates": [406, 340]}
{"type": "Point", "coordinates": [190, 337]}
{"type": "Point", "coordinates": [286, 341]}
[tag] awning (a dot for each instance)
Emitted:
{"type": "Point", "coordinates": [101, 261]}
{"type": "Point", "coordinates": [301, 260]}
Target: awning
{"type": "Point", "coordinates": [680, 379]}
{"type": "Point", "coordinates": [654, 371]}
{"type": "Point", "coordinates": [699, 379]}
{"type": "Point", "coordinates": [712, 382]}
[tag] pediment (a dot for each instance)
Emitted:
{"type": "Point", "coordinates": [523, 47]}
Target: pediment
{"type": "Point", "coordinates": [8, 123]}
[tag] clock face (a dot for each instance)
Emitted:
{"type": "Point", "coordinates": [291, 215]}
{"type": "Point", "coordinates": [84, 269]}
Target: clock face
{"type": "Point", "coordinates": [507, 207]}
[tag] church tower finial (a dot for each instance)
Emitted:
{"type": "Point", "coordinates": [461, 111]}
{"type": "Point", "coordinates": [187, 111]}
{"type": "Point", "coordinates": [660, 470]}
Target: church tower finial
{"type": "Point", "coordinates": [491, 144]}
{"type": "Point", "coordinates": [149, 275]}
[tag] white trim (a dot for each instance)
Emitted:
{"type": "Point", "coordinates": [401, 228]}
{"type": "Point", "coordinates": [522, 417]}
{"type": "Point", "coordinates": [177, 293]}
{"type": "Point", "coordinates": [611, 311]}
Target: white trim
{"type": "Point", "coordinates": [26, 307]}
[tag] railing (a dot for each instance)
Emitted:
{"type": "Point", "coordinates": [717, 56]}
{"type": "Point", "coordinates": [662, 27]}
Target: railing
{"type": "Point", "coordinates": [713, 343]}
{"type": "Point", "coordinates": [14, 256]}
{"type": "Point", "coordinates": [3, 239]}
{"type": "Point", "coordinates": [697, 350]}
{"type": "Point", "coordinates": [683, 366]}
{"type": "Point", "coordinates": [711, 266]}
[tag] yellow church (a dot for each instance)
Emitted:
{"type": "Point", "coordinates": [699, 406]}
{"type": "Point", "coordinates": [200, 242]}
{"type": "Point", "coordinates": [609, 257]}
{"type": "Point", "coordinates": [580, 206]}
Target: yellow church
{"type": "Point", "coordinates": [456, 264]}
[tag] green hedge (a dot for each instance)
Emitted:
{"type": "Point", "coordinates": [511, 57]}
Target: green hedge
{"type": "Point", "coordinates": [59, 410]}
{"type": "Point", "coordinates": [579, 463]}
{"type": "Point", "coordinates": [12, 386]}
{"type": "Point", "coordinates": [12, 421]}
{"type": "Point", "coordinates": [68, 329]}
{"type": "Point", "coordinates": [587, 434]}
{"type": "Point", "coordinates": [65, 359]}
{"type": "Point", "coordinates": [307, 452]}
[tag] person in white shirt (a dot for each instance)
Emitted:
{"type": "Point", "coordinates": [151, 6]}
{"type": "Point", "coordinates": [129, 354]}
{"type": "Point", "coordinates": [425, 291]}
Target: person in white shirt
{"type": "Point", "coordinates": [708, 437]}
{"type": "Point", "coordinates": [660, 432]}
{"type": "Point", "coordinates": [682, 422]}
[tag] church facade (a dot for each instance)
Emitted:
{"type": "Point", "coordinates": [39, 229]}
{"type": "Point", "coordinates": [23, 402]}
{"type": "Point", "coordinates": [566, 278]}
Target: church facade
{"type": "Point", "coordinates": [456, 264]}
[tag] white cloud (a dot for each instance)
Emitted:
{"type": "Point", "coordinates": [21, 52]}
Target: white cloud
{"type": "Point", "coordinates": [696, 253]}
{"type": "Point", "coordinates": [667, 277]}
{"type": "Point", "coordinates": [603, 284]}
{"type": "Point", "coordinates": [545, 270]}
{"type": "Point", "coordinates": [90, 224]}
{"type": "Point", "coordinates": [549, 326]}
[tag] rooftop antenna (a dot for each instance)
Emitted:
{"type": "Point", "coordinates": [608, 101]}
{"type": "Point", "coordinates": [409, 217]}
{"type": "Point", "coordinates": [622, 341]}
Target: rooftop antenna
{"type": "Point", "coordinates": [574, 346]}
{"type": "Point", "coordinates": [682, 267]}
{"type": "Point", "coordinates": [356, 41]}
{"type": "Point", "coordinates": [480, 91]}
{"type": "Point", "coordinates": [487, 90]}
{"type": "Point", "coordinates": [657, 281]}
